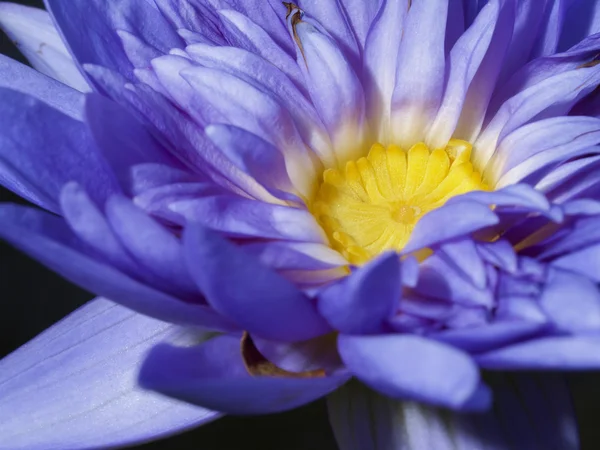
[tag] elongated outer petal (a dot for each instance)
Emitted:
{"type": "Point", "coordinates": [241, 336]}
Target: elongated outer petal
{"type": "Point", "coordinates": [362, 302]}
{"type": "Point", "coordinates": [103, 18]}
{"type": "Point", "coordinates": [75, 384]}
{"type": "Point", "coordinates": [531, 411]}
{"type": "Point", "coordinates": [420, 76]}
{"type": "Point", "coordinates": [48, 239]}
{"type": "Point", "coordinates": [258, 299]}
{"type": "Point", "coordinates": [409, 367]}
{"type": "Point", "coordinates": [35, 35]}
{"type": "Point", "coordinates": [550, 353]}
{"type": "Point", "coordinates": [334, 87]}
{"type": "Point", "coordinates": [213, 375]}
{"type": "Point", "coordinates": [41, 149]}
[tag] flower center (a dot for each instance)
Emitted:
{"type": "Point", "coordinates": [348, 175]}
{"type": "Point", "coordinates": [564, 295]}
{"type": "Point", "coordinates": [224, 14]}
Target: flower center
{"type": "Point", "coordinates": [373, 204]}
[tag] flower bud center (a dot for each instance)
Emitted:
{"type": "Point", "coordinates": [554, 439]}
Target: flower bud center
{"type": "Point", "coordinates": [373, 203]}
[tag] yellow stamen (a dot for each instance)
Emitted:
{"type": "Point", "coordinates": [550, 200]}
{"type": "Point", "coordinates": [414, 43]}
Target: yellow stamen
{"type": "Point", "coordinates": [373, 203]}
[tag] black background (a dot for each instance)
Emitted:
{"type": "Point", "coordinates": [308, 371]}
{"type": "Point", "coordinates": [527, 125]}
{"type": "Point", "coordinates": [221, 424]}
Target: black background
{"type": "Point", "coordinates": [33, 298]}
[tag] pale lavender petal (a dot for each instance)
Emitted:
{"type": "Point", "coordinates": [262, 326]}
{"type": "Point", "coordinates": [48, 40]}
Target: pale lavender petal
{"type": "Point", "coordinates": [541, 145]}
{"type": "Point", "coordinates": [251, 37]}
{"type": "Point", "coordinates": [380, 62]}
{"type": "Point", "coordinates": [245, 106]}
{"type": "Point", "coordinates": [484, 85]}
{"type": "Point", "coordinates": [268, 78]}
{"type": "Point", "coordinates": [421, 72]}
{"type": "Point", "coordinates": [242, 217]}
{"type": "Point", "coordinates": [75, 384]}
{"type": "Point", "coordinates": [331, 16]}
{"type": "Point", "coordinates": [466, 57]}
{"type": "Point", "coordinates": [35, 35]}
{"type": "Point", "coordinates": [551, 97]}
{"type": "Point", "coordinates": [282, 255]}
{"type": "Point", "coordinates": [335, 89]}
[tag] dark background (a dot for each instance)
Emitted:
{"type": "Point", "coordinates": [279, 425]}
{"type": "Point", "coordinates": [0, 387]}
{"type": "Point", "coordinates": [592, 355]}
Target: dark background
{"type": "Point", "coordinates": [33, 298]}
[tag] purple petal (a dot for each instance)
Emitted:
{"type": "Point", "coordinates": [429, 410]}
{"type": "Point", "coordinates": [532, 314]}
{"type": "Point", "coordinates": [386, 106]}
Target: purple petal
{"type": "Point", "coordinates": [75, 384]}
{"type": "Point", "coordinates": [582, 20]}
{"type": "Point", "coordinates": [364, 300]}
{"type": "Point", "coordinates": [154, 247]}
{"type": "Point", "coordinates": [48, 239]}
{"type": "Point", "coordinates": [585, 262]}
{"type": "Point", "coordinates": [213, 374]}
{"type": "Point", "coordinates": [420, 76]}
{"type": "Point", "coordinates": [380, 62]}
{"type": "Point", "coordinates": [248, 35]}
{"type": "Point", "coordinates": [281, 255]}
{"type": "Point", "coordinates": [267, 77]}
{"type": "Point", "coordinates": [490, 336]}
{"type": "Point", "coordinates": [103, 18]}
{"type": "Point", "coordinates": [463, 256]}
{"type": "Point", "coordinates": [462, 218]}
{"type": "Point", "coordinates": [123, 140]}
{"type": "Point", "coordinates": [332, 17]}
{"type": "Point", "coordinates": [572, 301]}
{"type": "Point", "coordinates": [242, 217]}
{"type": "Point", "coordinates": [90, 225]}
{"type": "Point", "coordinates": [334, 87]}
{"type": "Point", "coordinates": [245, 106]}
{"type": "Point", "coordinates": [550, 353]}
{"type": "Point", "coordinates": [19, 77]}
{"type": "Point", "coordinates": [551, 97]}
{"type": "Point", "coordinates": [252, 155]}
{"type": "Point", "coordinates": [541, 145]}
{"type": "Point", "coordinates": [484, 84]}
{"type": "Point", "coordinates": [35, 35]}
{"type": "Point", "coordinates": [44, 149]}
{"type": "Point", "coordinates": [259, 300]}
{"type": "Point", "coordinates": [409, 367]}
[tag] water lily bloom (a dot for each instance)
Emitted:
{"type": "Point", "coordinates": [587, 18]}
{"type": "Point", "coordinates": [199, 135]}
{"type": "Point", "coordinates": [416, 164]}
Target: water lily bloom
{"type": "Point", "coordinates": [374, 200]}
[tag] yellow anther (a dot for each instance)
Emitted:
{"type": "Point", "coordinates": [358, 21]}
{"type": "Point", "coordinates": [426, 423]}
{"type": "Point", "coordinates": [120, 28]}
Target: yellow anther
{"type": "Point", "coordinates": [373, 203]}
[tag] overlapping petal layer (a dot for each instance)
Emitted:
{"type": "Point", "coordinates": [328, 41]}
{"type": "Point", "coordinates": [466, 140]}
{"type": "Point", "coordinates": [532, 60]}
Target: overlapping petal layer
{"type": "Point", "coordinates": [184, 186]}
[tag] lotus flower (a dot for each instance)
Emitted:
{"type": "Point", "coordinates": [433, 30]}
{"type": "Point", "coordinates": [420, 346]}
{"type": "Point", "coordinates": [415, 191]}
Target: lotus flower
{"type": "Point", "coordinates": [378, 201]}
